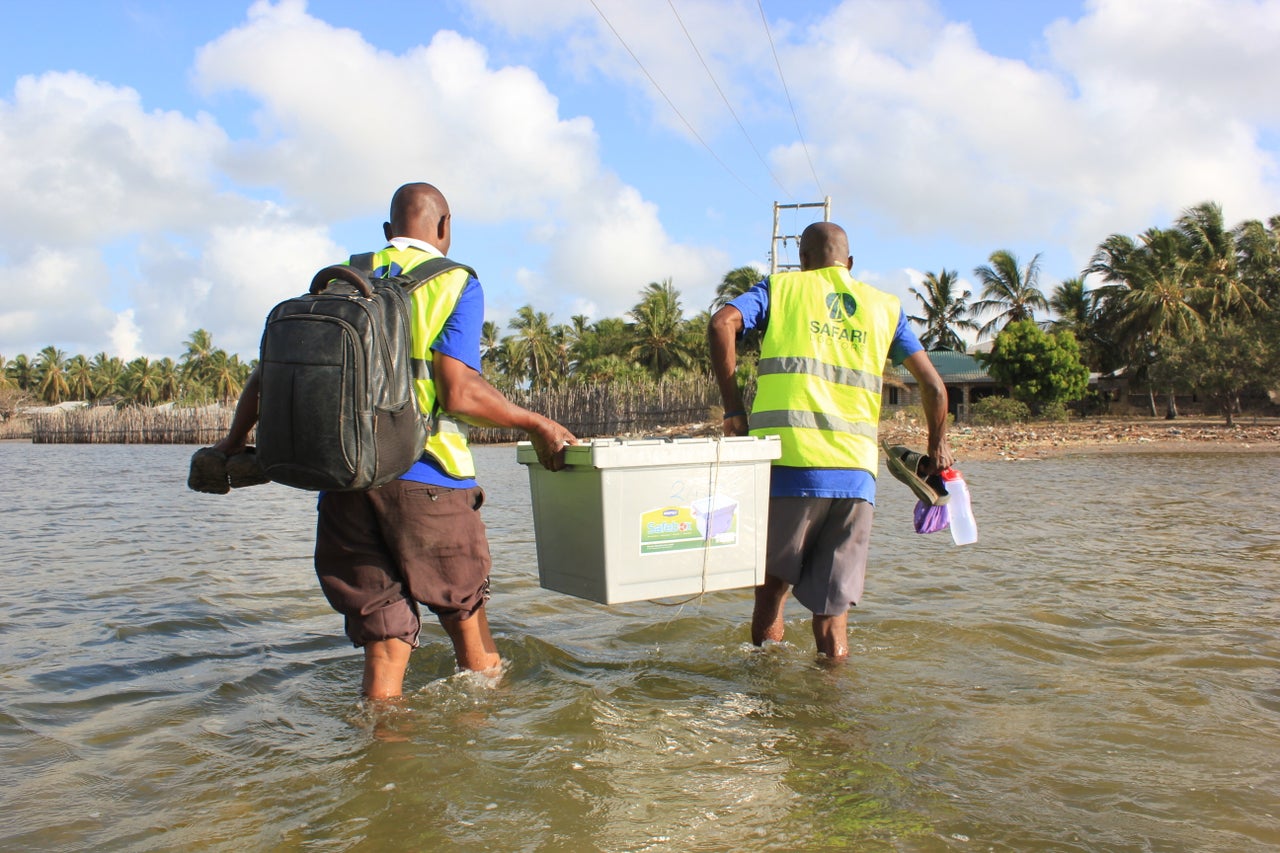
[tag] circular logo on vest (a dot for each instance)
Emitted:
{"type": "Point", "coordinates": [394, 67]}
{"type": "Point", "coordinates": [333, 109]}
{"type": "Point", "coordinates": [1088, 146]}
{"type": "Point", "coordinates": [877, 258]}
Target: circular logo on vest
{"type": "Point", "coordinates": [841, 306]}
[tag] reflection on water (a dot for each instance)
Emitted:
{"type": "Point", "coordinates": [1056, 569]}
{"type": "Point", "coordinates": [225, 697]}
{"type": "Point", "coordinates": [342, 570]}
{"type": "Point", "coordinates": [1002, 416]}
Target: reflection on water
{"type": "Point", "coordinates": [1099, 672]}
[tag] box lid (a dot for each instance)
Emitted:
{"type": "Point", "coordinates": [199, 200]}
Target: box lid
{"type": "Point", "coordinates": [651, 452]}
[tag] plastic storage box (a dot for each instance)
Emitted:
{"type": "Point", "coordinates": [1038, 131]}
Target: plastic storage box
{"type": "Point", "coordinates": [629, 520]}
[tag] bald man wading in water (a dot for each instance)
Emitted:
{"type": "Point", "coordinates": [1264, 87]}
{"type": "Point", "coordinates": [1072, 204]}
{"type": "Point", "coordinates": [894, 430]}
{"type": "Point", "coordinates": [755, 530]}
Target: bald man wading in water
{"type": "Point", "coordinates": [418, 541]}
{"type": "Point", "coordinates": [826, 338]}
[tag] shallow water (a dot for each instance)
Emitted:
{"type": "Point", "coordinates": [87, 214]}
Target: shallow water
{"type": "Point", "coordinates": [1100, 672]}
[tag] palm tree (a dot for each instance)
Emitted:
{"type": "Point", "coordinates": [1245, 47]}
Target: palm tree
{"type": "Point", "coordinates": [694, 342]}
{"type": "Point", "coordinates": [225, 376]}
{"type": "Point", "coordinates": [612, 369]}
{"type": "Point", "coordinates": [168, 380]}
{"type": "Point", "coordinates": [1011, 291]}
{"type": "Point", "coordinates": [658, 328]}
{"type": "Point", "coordinates": [108, 374]}
{"type": "Point", "coordinates": [490, 337]}
{"type": "Point", "coordinates": [1070, 301]}
{"type": "Point", "coordinates": [736, 282]}
{"type": "Point", "coordinates": [51, 367]}
{"type": "Point", "coordinates": [562, 338]}
{"type": "Point", "coordinates": [533, 348]}
{"type": "Point", "coordinates": [1079, 312]}
{"type": "Point", "coordinates": [499, 366]}
{"type": "Point", "coordinates": [23, 372]}
{"type": "Point", "coordinates": [1152, 296]}
{"type": "Point", "coordinates": [80, 378]}
{"type": "Point", "coordinates": [142, 381]}
{"type": "Point", "coordinates": [195, 361]}
{"type": "Point", "coordinates": [944, 312]}
{"type": "Point", "coordinates": [1211, 249]}
{"type": "Point", "coordinates": [1258, 249]}
{"type": "Point", "coordinates": [609, 336]}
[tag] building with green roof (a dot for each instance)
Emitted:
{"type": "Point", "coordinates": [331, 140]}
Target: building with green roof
{"type": "Point", "coordinates": [966, 379]}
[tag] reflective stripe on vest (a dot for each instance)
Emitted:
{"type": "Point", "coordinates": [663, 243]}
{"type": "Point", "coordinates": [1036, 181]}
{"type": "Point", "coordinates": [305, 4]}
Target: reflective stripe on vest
{"type": "Point", "coordinates": [430, 304]}
{"type": "Point", "coordinates": [820, 369]}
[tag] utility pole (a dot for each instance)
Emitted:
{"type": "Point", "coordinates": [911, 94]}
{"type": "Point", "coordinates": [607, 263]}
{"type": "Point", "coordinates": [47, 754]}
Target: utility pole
{"type": "Point", "coordinates": [774, 266]}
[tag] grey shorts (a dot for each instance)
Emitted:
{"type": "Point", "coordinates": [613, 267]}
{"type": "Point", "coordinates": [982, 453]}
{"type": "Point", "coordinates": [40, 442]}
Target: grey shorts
{"type": "Point", "coordinates": [819, 546]}
{"type": "Point", "coordinates": [381, 553]}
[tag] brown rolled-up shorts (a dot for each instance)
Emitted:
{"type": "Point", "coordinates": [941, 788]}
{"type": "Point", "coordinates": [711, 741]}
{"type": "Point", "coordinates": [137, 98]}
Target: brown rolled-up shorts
{"type": "Point", "coordinates": [819, 546]}
{"type": "Point", "coordinates": [381, 553]}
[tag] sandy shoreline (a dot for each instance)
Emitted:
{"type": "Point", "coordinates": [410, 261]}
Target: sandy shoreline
{"type": "Point", "coordinates": [1031, 441]}
{"type": "Point", "coordinates": [1042, 440]}
{"type": "Point", "coordinates": [1014, 442]}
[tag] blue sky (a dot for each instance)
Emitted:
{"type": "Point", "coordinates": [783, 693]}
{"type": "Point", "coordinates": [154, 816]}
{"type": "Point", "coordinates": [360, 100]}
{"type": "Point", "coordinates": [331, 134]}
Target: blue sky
{"type": "Point", "coordinates": [167, 167]}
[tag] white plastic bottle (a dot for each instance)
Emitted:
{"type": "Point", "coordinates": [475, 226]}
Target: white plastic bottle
{"type": "Point", "coordinates": [964, 529]}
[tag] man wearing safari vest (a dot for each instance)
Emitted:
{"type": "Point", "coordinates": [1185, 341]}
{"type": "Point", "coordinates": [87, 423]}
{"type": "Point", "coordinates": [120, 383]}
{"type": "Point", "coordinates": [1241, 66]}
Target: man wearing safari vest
{"type": "Point", "coordinates": [417, 541]}
{"type": "Point", "coordinates": [826, 338]}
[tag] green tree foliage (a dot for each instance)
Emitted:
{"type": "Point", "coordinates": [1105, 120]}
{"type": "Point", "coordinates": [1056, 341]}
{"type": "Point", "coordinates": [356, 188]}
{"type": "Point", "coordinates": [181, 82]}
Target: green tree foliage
{"type": "Point", "coordinates": [945, 311]}
{"type": "Point", "coordinates": [1038, 367]}
{"type": "Point", "coordinates": [1159, 296]}
{"type": "Point", "coordinates": [1080, 312]}
{"type": "Point", "coordinates": [1226, 361]}
{"type": "Point", "coordinates": [1173, 287]}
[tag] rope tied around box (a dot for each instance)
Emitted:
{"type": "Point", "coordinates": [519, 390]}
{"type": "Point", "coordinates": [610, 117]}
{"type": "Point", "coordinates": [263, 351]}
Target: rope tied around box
{"type": "Point", "coordinates": [713, 483]}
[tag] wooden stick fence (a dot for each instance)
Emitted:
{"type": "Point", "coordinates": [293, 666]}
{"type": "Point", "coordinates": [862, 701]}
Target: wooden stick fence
{"type": "Point", "coordinates": [132, 425]}
{"type": "Point", "coordinates": [587, 411]}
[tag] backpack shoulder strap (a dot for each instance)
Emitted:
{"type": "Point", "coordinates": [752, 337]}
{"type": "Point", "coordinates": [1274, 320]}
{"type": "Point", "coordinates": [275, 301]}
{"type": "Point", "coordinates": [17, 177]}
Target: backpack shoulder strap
{"type": "Point", "coordinates": [415, 277]}
{"type": "Point", "coordinates": [429, 269]}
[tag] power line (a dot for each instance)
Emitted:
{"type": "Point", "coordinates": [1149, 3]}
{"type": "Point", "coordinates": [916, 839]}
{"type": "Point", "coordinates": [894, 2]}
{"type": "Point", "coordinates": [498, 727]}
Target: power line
{"type": "Point", "coordinates": [725, 98]}
{"type": "Point", "coordinates": [803, 144]}
{"type": "Point", "coordinates": [670, 104]}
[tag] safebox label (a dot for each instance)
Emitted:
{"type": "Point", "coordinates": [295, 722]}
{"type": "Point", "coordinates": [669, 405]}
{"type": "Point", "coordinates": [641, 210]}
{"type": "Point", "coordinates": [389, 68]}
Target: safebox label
{"type": "Point", "coordinates": [708, 523]}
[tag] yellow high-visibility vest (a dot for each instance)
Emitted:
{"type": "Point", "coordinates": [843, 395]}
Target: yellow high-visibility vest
{"type": "Point", "coordinates": [431, 303]}
{"type": "Point", "coordinates": [821, 365]}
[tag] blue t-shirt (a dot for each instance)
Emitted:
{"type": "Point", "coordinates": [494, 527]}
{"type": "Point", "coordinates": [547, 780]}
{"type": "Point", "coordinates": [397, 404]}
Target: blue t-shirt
{"type": "Point", "coordinates": [789, 482]}
{"type": "Point", "coordinates": [460, 339]}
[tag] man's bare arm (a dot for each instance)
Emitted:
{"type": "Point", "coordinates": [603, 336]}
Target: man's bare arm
{"type": "Point", "coordinates": [722, 338]}
{"type": "Point", "coordinates": [467, 395]}
{"type": "Point", "coordinates": [933, 394]}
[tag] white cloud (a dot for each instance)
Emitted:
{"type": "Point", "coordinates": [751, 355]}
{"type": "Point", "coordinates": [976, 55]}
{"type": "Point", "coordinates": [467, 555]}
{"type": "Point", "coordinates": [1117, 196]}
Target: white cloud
{"type": "Point", "coordinates": [491, 138]}
{"type": "Point", "coordinates": [344, 123]}
{"type": "Point", "coordinates": [647, 46]}
{"type": "Point", "coordinates": [140, 225]}
{"type": "Point", "coordinates": [227, 283]}
{"type": "Point", "coordinates": [125, 335]}
{"type": "Point", "coordinates": [82, 161]}
{"type": "Point", "coordinates": [86, 172]}
{"type": "Point", "coordinates": [1218, 54]}
{"type": "Point", "coordinates": [52, 295]}
{"type": "Point", "coordinates": [157, 231]}
{"type": "Point", "coordinates": [934, 136]}
{"type": "Point", "coordinates": [612, 245]}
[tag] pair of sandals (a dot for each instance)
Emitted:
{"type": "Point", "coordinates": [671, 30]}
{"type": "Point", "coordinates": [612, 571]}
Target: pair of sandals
{"type": "Point", "coordinates": [916, 471]}
{"type": "Point", "coordinates": [214, 473]}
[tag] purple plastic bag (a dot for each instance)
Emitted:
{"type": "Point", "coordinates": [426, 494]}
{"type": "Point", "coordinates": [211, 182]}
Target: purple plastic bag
{"type": "Point", "coordinates": [931, 519]}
